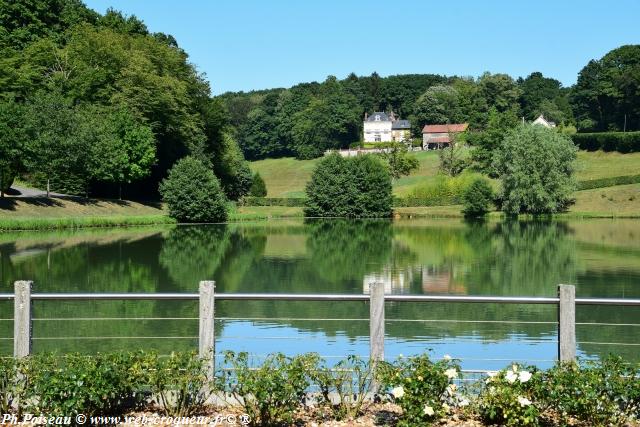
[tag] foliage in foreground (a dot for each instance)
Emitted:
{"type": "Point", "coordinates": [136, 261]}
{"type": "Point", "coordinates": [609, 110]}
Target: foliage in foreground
{"type": "Point", "coordinates": [276, 391]}
{"type": "Point", "coordinates": [536, 166]}
{"type": "Point", "coordinates": [353, 187]}
{"type": "Point", "coordinates": [193, 194]}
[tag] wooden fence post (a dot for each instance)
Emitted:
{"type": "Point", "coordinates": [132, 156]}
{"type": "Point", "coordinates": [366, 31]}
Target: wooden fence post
{"type": "Point", "coordinates": [376, 327]}
{"type": "Point", "coordinates": [207, 339]}
{"type": "Point", "coordinates": [567, 323]}
{"type": "Point", "coordinates": [22, 318]}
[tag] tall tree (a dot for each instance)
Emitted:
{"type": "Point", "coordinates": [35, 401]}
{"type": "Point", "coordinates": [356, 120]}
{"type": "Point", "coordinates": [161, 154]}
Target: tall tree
{"type": "Point", "coordinates": [13, 135]}
{"type": "Point", "coordinates": [607, 94]}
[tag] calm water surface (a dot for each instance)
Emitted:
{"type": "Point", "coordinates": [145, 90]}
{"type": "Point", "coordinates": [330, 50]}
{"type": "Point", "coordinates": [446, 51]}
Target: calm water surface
{"type": "Point", "coordinates": [601, 257]}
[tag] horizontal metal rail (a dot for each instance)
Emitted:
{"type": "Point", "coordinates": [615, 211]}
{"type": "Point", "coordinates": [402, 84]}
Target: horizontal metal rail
{"type": "Point", "coordinates": [324, 297]}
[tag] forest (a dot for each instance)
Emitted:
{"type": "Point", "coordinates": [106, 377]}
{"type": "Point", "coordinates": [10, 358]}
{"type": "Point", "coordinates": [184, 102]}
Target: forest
{"type": "Point", "coordinates": [98, 105]}
{"type": "Point", "coordinates": [307, 119]}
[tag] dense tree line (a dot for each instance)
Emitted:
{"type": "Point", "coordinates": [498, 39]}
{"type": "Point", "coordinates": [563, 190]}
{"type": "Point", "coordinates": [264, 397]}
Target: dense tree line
{"type": "Point", "coordinates": [309, 118]}
{"type": "Point", "coordinates": [101, 102]}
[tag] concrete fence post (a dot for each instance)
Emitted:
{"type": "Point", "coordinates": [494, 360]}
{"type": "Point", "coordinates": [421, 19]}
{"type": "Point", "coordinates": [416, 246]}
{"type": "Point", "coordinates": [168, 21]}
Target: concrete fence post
{"type": "Point", "coordinates": [22, 318]}
{"type": "Point", "coordinates": [376, 326]}
{"type": "Point", "coordinates": [207, 341]}
{"type": "Point", "coordinates": [567, 323]}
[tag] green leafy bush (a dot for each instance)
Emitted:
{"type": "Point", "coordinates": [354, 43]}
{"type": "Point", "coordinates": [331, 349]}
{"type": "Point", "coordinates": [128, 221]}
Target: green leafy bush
{"type": "Point", "coordinates": [271, 393]}
{"type": "Point", "coordinates": [66, 385]}
{"type": "Point", "coordinates": [258, 187]}
{"type": "Point", "coordinates": [10, 385]}
{"type": "Point", "coordinates": [181, 383]}
{"type": "Point", "coordinates": [192, 193]}
{"type": "Point", "coordinates": [477, 198]}
{"type": "Point", "coordinates": [623, 142]}
{"type": "Point", "coordinates": [353, 187]}
{"type": "Point", "coordinates": [421, 388]}
{"type": "Point", "coordinates": [603, 393]}
{"type": "Point", "coordinates": [536, 166]}
{"type": "Point", "coordinates": [441, 191]}
{"type": "Point", "coordinates": [350, 379]}
{"type": "Point", "coordinates": [509, 397]}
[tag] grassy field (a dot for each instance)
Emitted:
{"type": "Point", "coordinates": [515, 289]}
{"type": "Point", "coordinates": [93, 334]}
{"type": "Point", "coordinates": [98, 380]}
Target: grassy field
{"type": "Point", "coordinates": [287, 177]}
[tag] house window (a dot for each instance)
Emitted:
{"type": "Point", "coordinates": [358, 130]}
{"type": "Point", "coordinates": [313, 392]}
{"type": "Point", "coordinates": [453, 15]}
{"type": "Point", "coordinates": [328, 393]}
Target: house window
{"type": "Point", "coordinates": [377, 117]}
{"type": "Point", "coordinates": [377, 138]}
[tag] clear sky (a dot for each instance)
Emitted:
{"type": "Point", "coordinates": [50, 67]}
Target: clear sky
{"type": "Point", "coordinates": [257, 44]}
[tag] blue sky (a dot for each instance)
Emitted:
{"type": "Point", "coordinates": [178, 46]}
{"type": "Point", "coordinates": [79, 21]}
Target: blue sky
{"type": "Point", "coordinates": [257, 44]}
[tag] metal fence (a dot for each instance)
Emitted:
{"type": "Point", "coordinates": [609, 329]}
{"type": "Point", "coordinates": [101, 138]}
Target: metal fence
{"type": "Point", "coordinates": [565, 302]}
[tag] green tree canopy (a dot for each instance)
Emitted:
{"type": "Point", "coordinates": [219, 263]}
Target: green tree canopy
{"type": "Point", "coordinates": [536, 166]}
{"type": "Point", "coordinates": [353, 187]}
{"type": "Point", "coordinates": [192, 193]}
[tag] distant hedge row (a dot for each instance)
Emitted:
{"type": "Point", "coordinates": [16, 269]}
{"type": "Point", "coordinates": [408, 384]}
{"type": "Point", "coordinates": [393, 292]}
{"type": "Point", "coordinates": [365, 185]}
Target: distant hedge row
{"type": "Point", "coordinates": [273, 201]}
{"type": "Point", "coordinates": [608, 182]}
{"type": "Point", "coordinates": [623, 142]}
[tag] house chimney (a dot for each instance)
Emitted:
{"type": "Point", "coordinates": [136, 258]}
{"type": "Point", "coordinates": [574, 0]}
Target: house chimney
{"type": "Point", "coordinates": [366, 115]}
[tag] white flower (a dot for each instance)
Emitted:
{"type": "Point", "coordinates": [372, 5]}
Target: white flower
{"type": "Point", "coordinates": [451, 389]}
{"type": "Point", "coordinates": [446, 357]}
{"type": "Point", "coordinates": [420, 378]}
{"type": "Point", "coordinates": [524, 376]}
{"type": "Point", "coordinates": [463, 402]}
{"type": "Point", "coordinates": [511, 377]}
{"type": "Point", "coordinates": [451, 373]}
{"type": "Point", "coordinates": [428, 410]}
{"type": "Point", "coordinates": [446, 408]}
{"type": "Point", "coordinates": [523, 401]}
{"type": "Point", "coordinates": [514, 367]}
{"type": "Point", "coordinates": [397, 392]}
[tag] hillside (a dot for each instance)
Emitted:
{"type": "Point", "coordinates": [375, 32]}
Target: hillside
{"type": "Point", "coordinates": [287, 177]}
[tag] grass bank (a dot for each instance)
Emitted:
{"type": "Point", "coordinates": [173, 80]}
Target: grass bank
{"type": "Point", "coordinates": [287, 177]}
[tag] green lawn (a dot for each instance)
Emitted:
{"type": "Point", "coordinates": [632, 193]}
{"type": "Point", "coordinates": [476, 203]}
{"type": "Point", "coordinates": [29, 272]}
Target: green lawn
{"type": "Point", "coordinates": [287, 177]}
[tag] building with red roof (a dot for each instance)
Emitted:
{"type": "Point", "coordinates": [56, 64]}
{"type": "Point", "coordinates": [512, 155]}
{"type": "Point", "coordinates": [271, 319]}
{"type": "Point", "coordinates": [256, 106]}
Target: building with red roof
{"type": "Point", "coordinates": [439, 136]}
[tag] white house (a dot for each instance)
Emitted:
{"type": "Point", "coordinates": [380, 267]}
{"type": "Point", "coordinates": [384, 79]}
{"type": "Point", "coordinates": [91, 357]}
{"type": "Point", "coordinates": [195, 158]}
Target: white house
{"type": "Point", "coordinates": [543, 122]}
{"type": "Point", "coordinates": [380, 127]}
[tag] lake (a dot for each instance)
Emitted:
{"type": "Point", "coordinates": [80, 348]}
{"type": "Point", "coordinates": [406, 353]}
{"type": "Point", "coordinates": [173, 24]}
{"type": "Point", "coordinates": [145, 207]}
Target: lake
{"type": "Point", "coordinates": [442, 257]}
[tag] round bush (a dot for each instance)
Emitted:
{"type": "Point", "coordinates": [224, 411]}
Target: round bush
{"type": "Point", "coordinates": [192, 193]}
{"type": "Point", "coordinates": [477, 198]}
{"type": "Point", "coordinates": [354, 187]}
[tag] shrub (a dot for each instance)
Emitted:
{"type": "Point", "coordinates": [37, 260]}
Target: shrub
{"type": "Point", "coordinates": [509, 397]}
{"type": "Point", "coordinates": [602, 393]}
{"type": "Point", "coordinates": [421, 388]}
{"type": "Point", "coordinates": [623, 142]}
{"type": "Point", "coordinates": [274, 201]}
{"type": "Point", "coordinates": [181, 383]}
{"type": "Point", "coordinates": [443, 190]}
{"type": "Point", "coordinates": [353, 187]}
{"type": "Point", "coordinates": [477, 198]}
{"type": "Point", "coordinates": [192, 193]}
{"type": "Point", "coordinates": [271, 393]}
{"type": "Point", "coordinates": [536, 167]}
{"type": "Point", "coordinates": [71, 384]}
{"type": "Point", "coordinates": [10, 384]}
{"type": "Point", "coordinates": [350, 379]}
{"type": "Point", "coordinates": [258, 187]}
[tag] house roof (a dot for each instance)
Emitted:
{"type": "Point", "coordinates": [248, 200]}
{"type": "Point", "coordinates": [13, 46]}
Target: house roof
{"type": "Point", "coordinates": [401, 124]}
{"type": "Point", "coordinates": [382, 114]}
{"type": "Point", "coordinates": [459, 127]}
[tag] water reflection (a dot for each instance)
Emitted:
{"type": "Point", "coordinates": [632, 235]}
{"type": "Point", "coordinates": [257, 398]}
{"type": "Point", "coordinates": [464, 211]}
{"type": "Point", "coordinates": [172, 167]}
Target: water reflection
{"type": "Point", "coordinates": [432, 257]}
